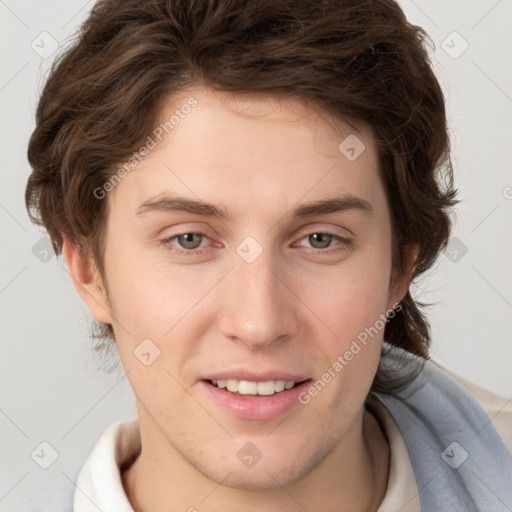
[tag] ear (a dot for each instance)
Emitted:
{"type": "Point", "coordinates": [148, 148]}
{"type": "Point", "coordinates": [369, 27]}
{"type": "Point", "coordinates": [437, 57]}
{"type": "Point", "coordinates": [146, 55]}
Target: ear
{"type": "Point", "coordinates": [87, 281]}
{"type": "Point", "coordinates": [400, 284]}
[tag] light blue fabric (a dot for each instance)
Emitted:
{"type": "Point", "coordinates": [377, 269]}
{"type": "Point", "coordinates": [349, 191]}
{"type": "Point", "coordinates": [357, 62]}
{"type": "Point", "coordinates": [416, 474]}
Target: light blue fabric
{"type": "Point", "coordinates": [459, 460]}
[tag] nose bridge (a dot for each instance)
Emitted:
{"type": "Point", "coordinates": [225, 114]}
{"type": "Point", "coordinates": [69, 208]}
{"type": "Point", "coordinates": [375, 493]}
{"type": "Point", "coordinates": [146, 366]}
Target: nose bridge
{"type": "Point", "coordinates": [258, 310]}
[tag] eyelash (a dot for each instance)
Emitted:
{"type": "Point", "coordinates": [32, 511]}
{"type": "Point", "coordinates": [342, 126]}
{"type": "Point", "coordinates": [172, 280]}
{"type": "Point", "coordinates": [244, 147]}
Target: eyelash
{"type": "Point", "coordinates": [344, 245]}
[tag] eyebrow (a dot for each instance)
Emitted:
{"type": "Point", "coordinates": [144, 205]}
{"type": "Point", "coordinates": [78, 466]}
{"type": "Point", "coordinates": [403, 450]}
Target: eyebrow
{"type": "Point", "coordinates": [347, 202]}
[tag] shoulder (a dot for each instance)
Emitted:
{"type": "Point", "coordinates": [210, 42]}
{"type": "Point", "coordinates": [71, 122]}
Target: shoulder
{"type": "Point", "coordinates": [497, 408]}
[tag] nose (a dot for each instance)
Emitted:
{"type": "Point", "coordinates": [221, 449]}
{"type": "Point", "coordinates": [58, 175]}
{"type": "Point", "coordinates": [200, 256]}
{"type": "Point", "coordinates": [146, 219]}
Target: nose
{"type": "Point", "coordinates": [257, 308]}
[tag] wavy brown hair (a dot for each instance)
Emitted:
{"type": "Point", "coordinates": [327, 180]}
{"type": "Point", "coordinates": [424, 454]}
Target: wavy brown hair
{"type": "Point", "coordinates": [359, 60]}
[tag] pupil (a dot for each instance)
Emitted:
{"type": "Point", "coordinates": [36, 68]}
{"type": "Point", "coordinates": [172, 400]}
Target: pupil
{"type": "Point", "coordinates": [320, 240]}
{"type": "Point", "coordinates": [190, 240]}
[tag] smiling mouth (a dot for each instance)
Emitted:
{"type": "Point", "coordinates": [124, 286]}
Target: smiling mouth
{"type": "Point", "coordinates": [245, 387]}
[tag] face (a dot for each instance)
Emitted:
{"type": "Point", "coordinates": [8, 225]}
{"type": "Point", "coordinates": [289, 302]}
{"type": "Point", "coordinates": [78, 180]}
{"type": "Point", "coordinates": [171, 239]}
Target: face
{"type": "Point", "coordinates": [248, 249]}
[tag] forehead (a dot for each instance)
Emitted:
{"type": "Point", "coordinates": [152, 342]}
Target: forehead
{"type": "Point", "coordinates": [253, 148]}
{"type": "Point", "coordinates": [275, 119]}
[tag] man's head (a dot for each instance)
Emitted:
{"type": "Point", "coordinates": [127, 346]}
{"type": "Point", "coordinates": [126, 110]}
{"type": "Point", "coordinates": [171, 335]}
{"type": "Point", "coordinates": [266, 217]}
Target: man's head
{"type": "Point", "coordinates": [134, 109]}
{"type": "Point", "coordinates": [247, 247]}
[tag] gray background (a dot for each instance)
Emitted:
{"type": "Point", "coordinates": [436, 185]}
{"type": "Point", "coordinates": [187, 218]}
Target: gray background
{"type": "Point", "coordinates": [51, 388]}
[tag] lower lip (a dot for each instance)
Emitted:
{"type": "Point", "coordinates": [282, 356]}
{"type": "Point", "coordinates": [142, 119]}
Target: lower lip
{"type": "Point", "coordinates": [255, 407]}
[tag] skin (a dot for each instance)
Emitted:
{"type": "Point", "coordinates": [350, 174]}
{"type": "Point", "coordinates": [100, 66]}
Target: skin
{"type": "Point", "coordinates": [295, 308]}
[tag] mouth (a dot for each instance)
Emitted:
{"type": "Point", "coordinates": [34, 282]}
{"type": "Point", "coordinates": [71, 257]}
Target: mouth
{"type": "Point", "coordinates": [254, 399]}
{"type": "Point", "coordinates": [246, 387]}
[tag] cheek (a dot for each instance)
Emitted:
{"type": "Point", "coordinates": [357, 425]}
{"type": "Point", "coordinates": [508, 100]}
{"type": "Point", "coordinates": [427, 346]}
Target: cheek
{"type": "Point", "coordinates": [149, 298]}
{"type": "Point", "coordinates": [351, 302]}
{"type": "Point", "coordinates": [353, 308]}
{"type": "Point", "coordinates": [352, 296]}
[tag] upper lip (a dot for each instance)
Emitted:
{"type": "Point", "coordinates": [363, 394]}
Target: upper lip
{"type": "Point", "coordinates": [255, 377]}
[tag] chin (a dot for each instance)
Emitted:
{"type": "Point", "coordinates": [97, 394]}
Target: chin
{"type": "Point", "coordinates": [272, 468]}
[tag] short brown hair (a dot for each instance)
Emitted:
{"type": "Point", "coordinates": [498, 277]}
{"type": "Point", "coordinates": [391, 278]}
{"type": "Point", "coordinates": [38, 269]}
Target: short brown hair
{"type": "Point", "coordinates": [359, 60]}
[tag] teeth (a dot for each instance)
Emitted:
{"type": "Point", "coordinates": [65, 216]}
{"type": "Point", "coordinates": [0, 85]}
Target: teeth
{"type": "Point", "coordinates": [280, 385]}
{"type": "Point", "coordinates": [245, 387]}
{"type": "Point", "coordinates": [232, 385]}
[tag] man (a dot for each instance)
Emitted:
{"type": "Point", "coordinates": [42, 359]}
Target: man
{"type": "Point", "coordinates": [243, 193]}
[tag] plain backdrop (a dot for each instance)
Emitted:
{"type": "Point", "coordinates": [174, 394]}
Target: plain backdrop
{"type": "Point", "coordinates": [51, 388]}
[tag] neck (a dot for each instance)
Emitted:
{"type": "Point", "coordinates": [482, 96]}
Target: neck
{"type": "Point", "coordinates": [353, 477]}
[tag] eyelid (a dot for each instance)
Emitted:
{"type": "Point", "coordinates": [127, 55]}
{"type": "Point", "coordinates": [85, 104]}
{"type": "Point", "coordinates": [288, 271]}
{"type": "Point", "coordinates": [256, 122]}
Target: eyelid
{"type": "Point", "coordinates": [309, 230]}
{"type": "Point", "coordinates": [182, 228]}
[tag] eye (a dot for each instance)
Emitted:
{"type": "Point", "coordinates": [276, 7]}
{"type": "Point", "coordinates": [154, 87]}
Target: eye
{"type": "Point", "coordinates": [190, 240]}
{"type": "Point", "coordinates": [324, 241]}
{"type": "Point", "coordinates": [320, 240]}
{"type": "Point", "coordinates": [185, 242]}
